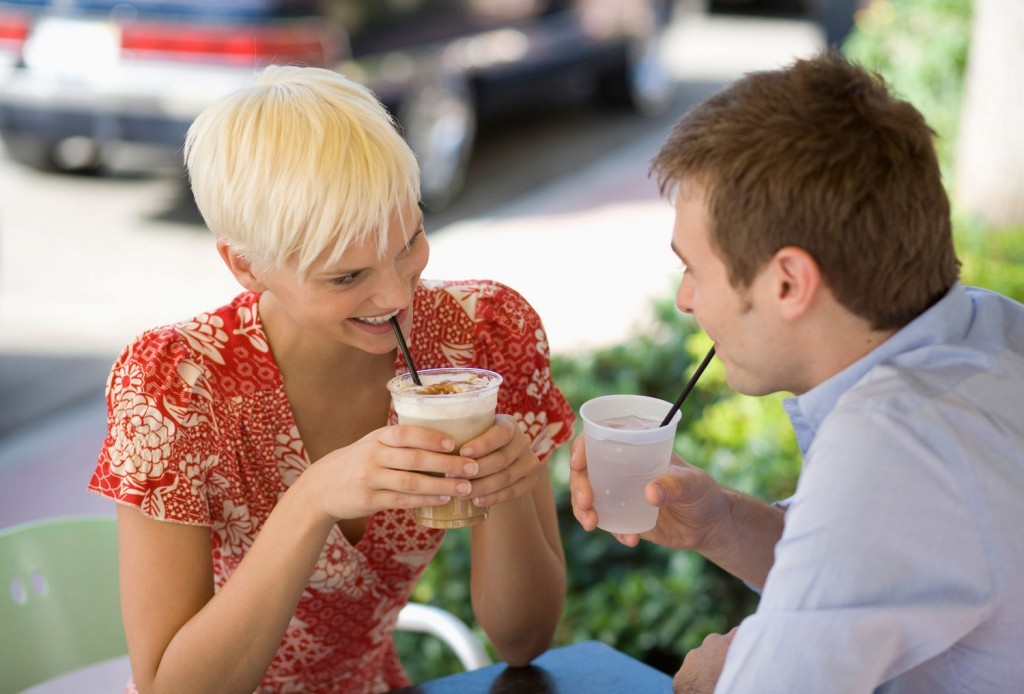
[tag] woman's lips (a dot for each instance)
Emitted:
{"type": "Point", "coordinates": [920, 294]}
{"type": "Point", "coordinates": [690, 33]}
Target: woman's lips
{"type": "Point", "coordinates": [381, 324]}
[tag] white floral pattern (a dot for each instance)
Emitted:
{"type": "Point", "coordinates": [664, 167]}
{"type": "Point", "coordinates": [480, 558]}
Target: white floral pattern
{"type": "Point", "coordinates": [200, 431]}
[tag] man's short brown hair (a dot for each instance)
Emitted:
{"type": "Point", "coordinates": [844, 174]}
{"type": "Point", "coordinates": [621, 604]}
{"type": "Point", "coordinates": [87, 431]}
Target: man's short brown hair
{"type": "Point", "coordinates": [821, 156]}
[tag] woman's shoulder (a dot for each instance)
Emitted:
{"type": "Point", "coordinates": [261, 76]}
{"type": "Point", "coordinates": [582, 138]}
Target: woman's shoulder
{"type": "Point", "coordinates": [211, 342]}
{"type": "Point", "coordinates": [475, 322]}
{"type": "Point", "coordinates": [472, 295]}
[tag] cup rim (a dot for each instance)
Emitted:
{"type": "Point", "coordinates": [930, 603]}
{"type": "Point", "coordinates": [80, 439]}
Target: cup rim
{"type": "Point", "coordinates": [641, 405]}
{"type": "Point", "coordinates": [494, 382]}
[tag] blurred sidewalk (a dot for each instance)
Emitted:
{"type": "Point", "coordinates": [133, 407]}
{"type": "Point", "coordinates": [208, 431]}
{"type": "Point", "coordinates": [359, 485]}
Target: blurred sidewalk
{"type": "Point", "coordinates": [590, 252]}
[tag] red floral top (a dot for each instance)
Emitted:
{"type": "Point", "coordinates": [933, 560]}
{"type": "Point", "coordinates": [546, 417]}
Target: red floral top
{"type": "Point", "coordinates": [200, 432]}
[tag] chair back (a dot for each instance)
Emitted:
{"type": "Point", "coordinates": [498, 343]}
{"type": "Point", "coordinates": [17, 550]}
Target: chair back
{"type": "Point", "coordinates": [453, 632]}
{"type": "Point", "coordinates": [60, 609]}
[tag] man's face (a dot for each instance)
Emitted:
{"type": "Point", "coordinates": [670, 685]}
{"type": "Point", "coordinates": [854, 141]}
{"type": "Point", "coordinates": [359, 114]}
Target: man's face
{"type": "Point", "coordinates": [732, 318]}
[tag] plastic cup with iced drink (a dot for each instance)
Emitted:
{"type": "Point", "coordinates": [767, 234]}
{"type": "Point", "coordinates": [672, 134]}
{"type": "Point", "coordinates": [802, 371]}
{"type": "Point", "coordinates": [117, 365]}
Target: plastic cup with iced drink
{"type": "Point", "coordinates": [459, 402]}
{"type": "Point", "coordinates": [627, 448]}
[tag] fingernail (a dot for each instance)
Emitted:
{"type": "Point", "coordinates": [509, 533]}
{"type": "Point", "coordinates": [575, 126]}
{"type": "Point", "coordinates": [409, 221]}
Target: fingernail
{"type": "Point", "coordinates": [466, 451]}
{"type": "Point", "coordinates": [660, 491]}
{"type": "Point", "coordinates": [464, 487]}
{"type": "Point", "coordinates": [445, 499]}
{"type": "Point", "coordinates": [471, 468]}
{"type": "Point", "coordinates": [447, 444]}
{"type": "Point", "coordinates": [478, 501]}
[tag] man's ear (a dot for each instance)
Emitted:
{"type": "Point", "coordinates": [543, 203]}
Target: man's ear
{"type": "Point", "coordinates": [240, 267]}
{"type": "Point", "coordinates": [797, 281]}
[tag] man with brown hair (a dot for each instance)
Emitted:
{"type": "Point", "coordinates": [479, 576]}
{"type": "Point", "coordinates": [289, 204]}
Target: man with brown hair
{"type": "Point", "coordinates": [814, 228]}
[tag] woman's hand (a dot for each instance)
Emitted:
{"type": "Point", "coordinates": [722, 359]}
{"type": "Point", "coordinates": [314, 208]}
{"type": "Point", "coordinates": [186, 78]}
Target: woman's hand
{"type": "Point", "coordinates": [388, 468]}
{"type": "Point", "coordinates": [507, 464]}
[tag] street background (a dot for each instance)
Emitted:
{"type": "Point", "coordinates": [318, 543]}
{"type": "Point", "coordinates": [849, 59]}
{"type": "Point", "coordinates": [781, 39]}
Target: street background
{"type": "Point", "coordinates": [559, 206]}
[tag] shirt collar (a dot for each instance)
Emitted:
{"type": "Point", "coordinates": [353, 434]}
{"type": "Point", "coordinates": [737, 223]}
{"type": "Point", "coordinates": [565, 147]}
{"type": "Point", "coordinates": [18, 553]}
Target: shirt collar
{"type": "Point", "coordinates": [947, 319]}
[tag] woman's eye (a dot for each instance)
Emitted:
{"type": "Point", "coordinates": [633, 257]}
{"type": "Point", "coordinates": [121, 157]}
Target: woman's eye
{"type": "Point", "coordinates": [343, 280]}
{"type": "Point", "coordinates": [413, 240]}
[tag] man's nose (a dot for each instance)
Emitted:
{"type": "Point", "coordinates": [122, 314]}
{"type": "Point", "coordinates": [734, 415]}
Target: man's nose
{"type": "Point", "coordinates": [684, 296]}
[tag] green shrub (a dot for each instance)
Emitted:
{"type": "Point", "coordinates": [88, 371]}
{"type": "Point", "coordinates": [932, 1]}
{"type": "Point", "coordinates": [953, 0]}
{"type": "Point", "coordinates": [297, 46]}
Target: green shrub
{"type": "Point", "coordinates": [653, 603]}
{"type": "Point", "coordinates": [649, 602]}
{"type": "Point", "coordinates": [920, 47]}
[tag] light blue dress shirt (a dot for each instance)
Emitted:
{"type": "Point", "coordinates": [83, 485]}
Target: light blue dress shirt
{"type": "Point", "coordinates": [901, 566]}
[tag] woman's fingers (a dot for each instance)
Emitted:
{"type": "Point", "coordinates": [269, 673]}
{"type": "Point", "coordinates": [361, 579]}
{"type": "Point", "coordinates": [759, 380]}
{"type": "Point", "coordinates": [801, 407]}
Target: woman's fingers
{"type": "Point", "coordinates": [496, 437]}
{"type": "Point", "coordinates": [412, 436]}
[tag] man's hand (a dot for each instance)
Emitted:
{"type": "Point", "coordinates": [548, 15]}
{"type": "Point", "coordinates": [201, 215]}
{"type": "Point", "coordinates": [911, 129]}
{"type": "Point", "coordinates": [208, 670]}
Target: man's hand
{"type": "Point", "coordinates": [691, 503]}
{"type": "Point", "coordinates": [693, 506]}
{"type": "Point", "coordinates": [735, 531]}
{"type": "Point", "coordinates": [703, 666]}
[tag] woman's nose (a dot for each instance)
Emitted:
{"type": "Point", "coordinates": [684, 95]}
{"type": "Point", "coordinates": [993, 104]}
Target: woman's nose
{"type": "Point", "coordinates": [394, 291]}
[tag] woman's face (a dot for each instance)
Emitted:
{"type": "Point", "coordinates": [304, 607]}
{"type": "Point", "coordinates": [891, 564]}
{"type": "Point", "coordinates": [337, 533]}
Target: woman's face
{"type": "Point", "coordinates": [350, 302]}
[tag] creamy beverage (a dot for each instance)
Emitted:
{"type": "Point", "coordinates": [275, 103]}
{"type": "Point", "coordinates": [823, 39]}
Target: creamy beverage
{"type": "Point", "coordinates": [459, 402]}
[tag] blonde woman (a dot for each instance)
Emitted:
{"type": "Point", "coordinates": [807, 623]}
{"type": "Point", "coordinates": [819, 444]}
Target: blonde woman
{"type": "Point", "coordinates": [264, 488]}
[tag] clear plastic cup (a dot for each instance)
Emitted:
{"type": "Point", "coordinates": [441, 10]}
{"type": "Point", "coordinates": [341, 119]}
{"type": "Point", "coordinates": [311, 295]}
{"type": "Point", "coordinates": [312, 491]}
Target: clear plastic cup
{"type": "Point", "coordinates": [459, 402]}
{"type": "Point", "coordinates": [626, 449]}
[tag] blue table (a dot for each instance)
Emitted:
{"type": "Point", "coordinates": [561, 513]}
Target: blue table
{"type": "Point", "coordinates": [590, 667]}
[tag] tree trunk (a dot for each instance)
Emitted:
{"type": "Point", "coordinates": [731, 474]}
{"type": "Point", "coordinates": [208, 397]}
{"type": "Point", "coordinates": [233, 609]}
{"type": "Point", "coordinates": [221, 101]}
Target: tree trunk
{"type": "Point", "coordinates": [989, 177]}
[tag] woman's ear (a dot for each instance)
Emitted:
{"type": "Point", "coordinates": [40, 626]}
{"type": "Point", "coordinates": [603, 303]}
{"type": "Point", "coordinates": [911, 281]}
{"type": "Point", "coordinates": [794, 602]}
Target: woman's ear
{"type": "Point", "coordinates": [240, 267]}
{"type": "Point", "coordinates": [797, 281]}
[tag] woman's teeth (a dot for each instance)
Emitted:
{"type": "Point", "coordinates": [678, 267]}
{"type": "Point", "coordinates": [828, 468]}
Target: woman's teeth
{"type": "Point", "coordinates": [377, 320]}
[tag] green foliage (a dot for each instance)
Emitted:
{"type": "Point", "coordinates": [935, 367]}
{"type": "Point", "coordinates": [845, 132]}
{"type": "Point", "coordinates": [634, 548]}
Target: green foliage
{"type": "Point", "coordinates": [650, 602]}
{"type": "Point", "coordinates": [920, 47]}
{"type": "Point", "coordinates": [992, 259]}
{"type": "Point", "coordinates": [653, 603]}
{"type": "Point", "coordinates": [647, 601]}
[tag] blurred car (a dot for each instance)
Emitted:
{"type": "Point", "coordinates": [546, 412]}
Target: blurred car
{"type": "Point", "coordinates": [78, 77]}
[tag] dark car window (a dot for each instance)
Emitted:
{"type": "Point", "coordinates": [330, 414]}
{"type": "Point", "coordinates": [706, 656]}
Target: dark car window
{"type": "Point", "coordinates": [212, 8]}
{"type": "Point", "coordinates": [382, 25]}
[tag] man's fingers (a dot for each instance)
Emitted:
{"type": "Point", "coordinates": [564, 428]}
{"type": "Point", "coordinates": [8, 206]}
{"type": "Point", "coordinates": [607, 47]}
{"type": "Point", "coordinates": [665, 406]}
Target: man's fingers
{"type": "Point", "coordinates": [678, 484]}
{"type": "Point", "coordinates": [578, 459]}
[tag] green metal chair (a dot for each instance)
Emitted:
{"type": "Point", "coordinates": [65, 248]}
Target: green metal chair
{"type": "Point", "coordinates": [60, 610]}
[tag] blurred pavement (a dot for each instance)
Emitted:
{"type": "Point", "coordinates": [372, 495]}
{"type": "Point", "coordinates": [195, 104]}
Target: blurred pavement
{"type": "Point", "coordinates": [589, 251]}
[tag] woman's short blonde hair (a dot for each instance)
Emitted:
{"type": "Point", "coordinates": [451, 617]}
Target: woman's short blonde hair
{"type": "Point", "coordinates": [299, 166]}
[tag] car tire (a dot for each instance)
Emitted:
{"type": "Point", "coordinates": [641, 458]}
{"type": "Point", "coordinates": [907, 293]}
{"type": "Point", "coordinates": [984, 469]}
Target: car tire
{"type": "Point", "coordinates": [72, 155]}
{"type": "Point", "coordinates": [640, 81]}
{"type": "Point", "coordinates": [439, 119]}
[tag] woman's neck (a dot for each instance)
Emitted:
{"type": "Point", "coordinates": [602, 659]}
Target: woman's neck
{"type": "Point", "coordinates": [309, 358]}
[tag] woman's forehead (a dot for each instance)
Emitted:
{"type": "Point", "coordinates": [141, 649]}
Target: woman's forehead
{"type": "Point", "coordinates": [363, 250]}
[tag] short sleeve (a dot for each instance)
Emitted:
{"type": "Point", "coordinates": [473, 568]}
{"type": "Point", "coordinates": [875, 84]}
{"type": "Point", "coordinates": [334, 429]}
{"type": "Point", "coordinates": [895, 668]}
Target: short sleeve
{"type": "Point", "coordinates": [159, 423]}
{"type": "Point", "coordinates": [485, 324]}
{"type": "Point", "coordinates": [510, 339]}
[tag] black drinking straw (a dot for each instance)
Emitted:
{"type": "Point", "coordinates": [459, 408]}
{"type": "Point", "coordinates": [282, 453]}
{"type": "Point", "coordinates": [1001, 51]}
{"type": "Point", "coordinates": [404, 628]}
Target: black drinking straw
{"type": "Point", "coordinates": [405, 350]}
{"type": "Point", "coordinates": [689, 386]}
